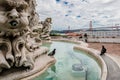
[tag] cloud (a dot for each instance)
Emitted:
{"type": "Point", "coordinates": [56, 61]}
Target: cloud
{"type": "Point", "coordinates": [78, 13]}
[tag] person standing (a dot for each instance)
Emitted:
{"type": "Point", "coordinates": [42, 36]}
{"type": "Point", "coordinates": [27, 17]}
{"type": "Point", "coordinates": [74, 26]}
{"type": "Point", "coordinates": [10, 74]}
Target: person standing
{"type": "Point", "coordinates": [85, 37]}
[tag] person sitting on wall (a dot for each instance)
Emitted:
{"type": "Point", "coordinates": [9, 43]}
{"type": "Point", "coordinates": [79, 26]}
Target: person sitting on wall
{"type": "Point", "coordinates": [103, 50]}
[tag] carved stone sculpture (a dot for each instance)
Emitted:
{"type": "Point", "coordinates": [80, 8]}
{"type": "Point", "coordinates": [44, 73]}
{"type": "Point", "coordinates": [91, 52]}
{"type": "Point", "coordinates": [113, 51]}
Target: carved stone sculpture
{"type": "Point", "coordinates": [19, 39]}
{"type": "Point", "coordinates": [45, 35]}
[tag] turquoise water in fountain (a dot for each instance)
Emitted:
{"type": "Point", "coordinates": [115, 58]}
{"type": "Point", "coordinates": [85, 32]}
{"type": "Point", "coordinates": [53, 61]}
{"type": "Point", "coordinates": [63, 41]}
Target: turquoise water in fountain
{"type": "Point", "coordinates": [66, 57]}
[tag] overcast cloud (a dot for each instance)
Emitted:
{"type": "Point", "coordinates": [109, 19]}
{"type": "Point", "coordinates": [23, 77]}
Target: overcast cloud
{"type": "Point", "coordinates": [78, 13]}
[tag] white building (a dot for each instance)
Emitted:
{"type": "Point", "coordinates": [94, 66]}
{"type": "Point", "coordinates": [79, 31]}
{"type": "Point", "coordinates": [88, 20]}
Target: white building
{"type": "Point", "coordinates": [102, 33]}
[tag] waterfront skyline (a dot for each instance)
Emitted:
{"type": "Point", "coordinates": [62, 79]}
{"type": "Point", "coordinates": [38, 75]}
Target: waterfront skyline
{"type": "Point", "coordinates": [78, 13]}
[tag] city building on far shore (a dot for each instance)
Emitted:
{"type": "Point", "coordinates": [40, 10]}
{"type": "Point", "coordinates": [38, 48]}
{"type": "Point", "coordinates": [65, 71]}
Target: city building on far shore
{"type": "Point", "coordinates": [102, 33]}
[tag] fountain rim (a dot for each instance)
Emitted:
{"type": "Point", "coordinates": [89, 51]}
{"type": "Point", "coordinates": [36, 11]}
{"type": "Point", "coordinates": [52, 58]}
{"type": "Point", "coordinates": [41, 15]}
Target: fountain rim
{"type": "Point", "coordinates": [84, 47]}
{"type": "Point", "coordinates": [39, 72]}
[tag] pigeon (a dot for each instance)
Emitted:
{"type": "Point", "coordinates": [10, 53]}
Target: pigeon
{"type": "Point", "coordinates": [103, 50]}
{"type": "Point", "coordinates": [52, 53]}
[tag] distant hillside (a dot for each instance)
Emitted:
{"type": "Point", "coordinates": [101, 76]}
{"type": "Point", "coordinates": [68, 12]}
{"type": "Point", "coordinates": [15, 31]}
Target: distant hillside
{"type": "Point", "coordinates": [65, 31]}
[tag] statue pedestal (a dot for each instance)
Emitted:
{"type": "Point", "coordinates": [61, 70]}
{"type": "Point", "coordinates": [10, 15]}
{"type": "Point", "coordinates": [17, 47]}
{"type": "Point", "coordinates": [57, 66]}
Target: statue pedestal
{"type": "Point", "coordinates": [41, 64]}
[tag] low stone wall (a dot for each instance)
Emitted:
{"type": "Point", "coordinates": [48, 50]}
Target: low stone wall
{"type": "Point", "coordinates": [93, 52]}
{"type": "Point", "coordinates": [72, 41]}
{"type": "Point", "coordinates": [105, 40]}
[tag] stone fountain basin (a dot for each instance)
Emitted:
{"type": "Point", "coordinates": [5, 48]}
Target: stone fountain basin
{"type": "Point", "coordinates": [41, 64]}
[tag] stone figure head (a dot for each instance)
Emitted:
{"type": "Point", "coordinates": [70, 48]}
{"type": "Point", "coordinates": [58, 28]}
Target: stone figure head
{"type": "Point", "coordinates": [49, 20]}
{"type": "Point", "coordinates": [13, 15]}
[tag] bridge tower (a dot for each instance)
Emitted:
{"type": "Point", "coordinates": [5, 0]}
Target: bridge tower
{"type": "Point", "coordinates": [90, 26]}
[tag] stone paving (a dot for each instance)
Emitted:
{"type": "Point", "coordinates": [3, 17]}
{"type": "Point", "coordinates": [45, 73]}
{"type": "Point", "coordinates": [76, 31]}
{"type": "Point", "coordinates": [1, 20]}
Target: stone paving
{"type": "Point", "coordinates": [112, 48]}
{"type": "Point", "coordinates": [111, 59]}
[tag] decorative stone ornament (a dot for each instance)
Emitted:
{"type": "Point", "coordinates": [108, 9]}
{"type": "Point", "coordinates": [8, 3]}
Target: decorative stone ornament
{"type": "Point", "coordinates": [45, 35]}
{"type": "Point", "coordinates": [20, 32]}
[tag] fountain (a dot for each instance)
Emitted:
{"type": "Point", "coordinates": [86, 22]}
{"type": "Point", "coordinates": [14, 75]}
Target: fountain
{"type": "Point", "coordinates": [21, 36]}
{"type": "Point", "coordinates": [71, 64]}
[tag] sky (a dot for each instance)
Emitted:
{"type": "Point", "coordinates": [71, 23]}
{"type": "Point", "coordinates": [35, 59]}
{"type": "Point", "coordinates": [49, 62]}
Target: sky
{"type": "Point", "coordinates": [78, 13]}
